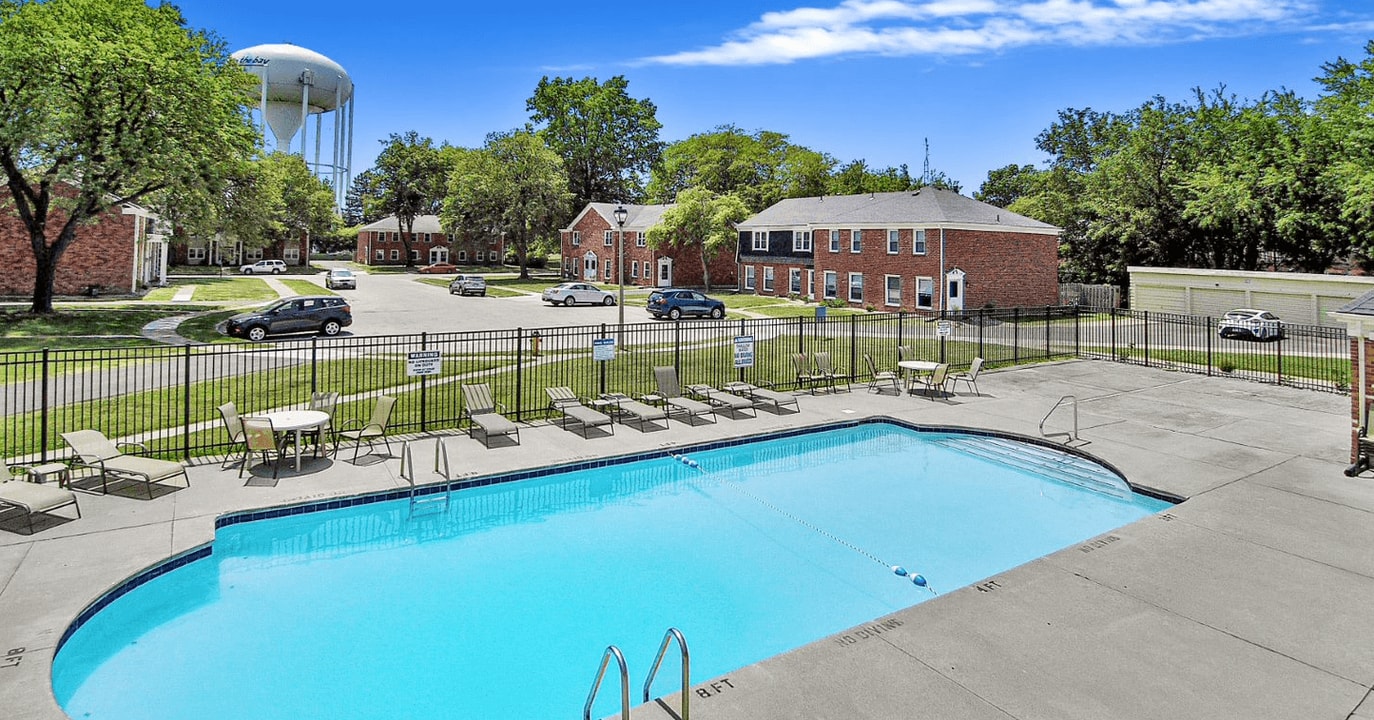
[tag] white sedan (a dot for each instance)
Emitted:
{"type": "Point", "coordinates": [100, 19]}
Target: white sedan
{"type": "Point", "coordinates": [572, 293]}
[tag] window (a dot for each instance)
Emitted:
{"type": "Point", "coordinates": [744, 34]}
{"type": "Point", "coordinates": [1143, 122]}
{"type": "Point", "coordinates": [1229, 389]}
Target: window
{"type": "Point", "coordinates": [925, 292]}
{"type": "Point", "coordinates": [834, 241]}
{"type": "Point", "coordinates": [291, 255]}
{"type": "Point", "coordinates": [794, 281]}
{"type": "Point", "coordinates": [768, 278]}
{"type": "Point", "coordinates": [395, 256]}
{"type": "Point", "coordinates": [414, 254]}
{"type": "Point", "coordinates": [918, 243]}
{"type": "Point", "coordinates": [634, 268]}
{"type": "Point", "coordinates": [607, 271]}
{"type": "Point", "coordinates": [894, 241]}
{"type": "Point", "coordinates": [379, 237]}
{"type": "Point", "coordinates": [429, 237]}
{"type": "Point", "coordinates": [381, 255]}
{"type": "Point", "coordinates": [576, 238]}
{"type": "Point", "coordinates": [856, 287]}
{"type": "Point", "coordinates": [894, 290]}
{"type": "Point", "coordinates": [479, 256]}
{"type": "Point", "coordinates": [393, 236]}
{"type": "Point", "coordinates": [801, 241]}
{"type": "Point", "coordinates": [462, 256]}
{"type": "Point", "coordinates": [195, 253]}
{"type": "Point", "coordinates": [748, 277]}
{"type": "Point", "coordinates": [760, 240]}
{"type": "Point", "coordinates": [856, 241]}
{"type": "Point", "coordinates": [831, 284]}
{"type": "Point", "coordinates": [642, 240]}
{"type": "Point", "coordinates": [449, 237]}
{"type": "Point", "coordinates": [608, 238]}
{"type": "Point", "coordinates": [253, 254]}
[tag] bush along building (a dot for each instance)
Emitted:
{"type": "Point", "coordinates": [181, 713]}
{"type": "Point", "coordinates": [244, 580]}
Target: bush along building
{"type": "Point", "coordinates": [925, 250]}
{"type": "Point", "coordinates": [588, 251]}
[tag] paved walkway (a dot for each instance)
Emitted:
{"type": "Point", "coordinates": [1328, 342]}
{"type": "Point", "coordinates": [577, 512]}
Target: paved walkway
{"type": "Point", "coordinates": [1249, 600]}
{"type": "Point", "coordinates": [164, 330]}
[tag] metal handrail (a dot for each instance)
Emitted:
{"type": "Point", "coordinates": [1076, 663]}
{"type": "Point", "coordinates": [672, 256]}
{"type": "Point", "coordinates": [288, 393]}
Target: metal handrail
{"type": "Point", "coordinates": [672, 634]}
{"type": "Point", "coordinates": [408, 467]}
{"type": "Point", "coordinates": [408, 472]}
{"type": "Point", "coordinates": [1061, 400]}
{"type": "Point", "coordinates": [624, 684]}
{"type": "Point", "coordinates": [441, 451]}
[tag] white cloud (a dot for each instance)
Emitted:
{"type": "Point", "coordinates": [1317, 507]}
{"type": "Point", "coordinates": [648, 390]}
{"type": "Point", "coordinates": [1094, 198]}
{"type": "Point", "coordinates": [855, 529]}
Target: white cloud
{"type": "Point", "coordinates": [941, 27]}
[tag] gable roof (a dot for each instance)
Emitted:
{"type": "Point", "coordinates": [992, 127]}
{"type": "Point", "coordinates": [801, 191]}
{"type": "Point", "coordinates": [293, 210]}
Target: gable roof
{"type": "Point", "coordinates": [423, 224]}
{"type": "Point", "coordinates": [638, 218]}
{"type": "Point", "coordinates": [1362, 305]}
{"type": "Point", "coordinates": [926, 206]}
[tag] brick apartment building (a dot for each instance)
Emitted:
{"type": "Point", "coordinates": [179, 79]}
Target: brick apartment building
{"type": "Point", "coordinates": [379, 243]}
{"type": "Point", "coordinates": [218, 251]}
{"type": "Point", "coordinates": [918, 250]}
{"type": "Point", "coordinates": [123, 251]}
{"type": "Point", "coordinates": [588, 251]}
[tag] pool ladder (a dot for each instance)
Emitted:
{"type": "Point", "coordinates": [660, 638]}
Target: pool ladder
{"type": "Point", "coordinates": [441, 467]}
{"type": "Point", "coordinates": [1073, 402]}
{"type": "Point", "coordinates": [612, 651]}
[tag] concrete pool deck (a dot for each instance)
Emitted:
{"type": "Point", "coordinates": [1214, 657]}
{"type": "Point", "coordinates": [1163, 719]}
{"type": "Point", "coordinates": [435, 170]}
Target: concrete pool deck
{"type": "Point", "coordinates": [1249, 600]}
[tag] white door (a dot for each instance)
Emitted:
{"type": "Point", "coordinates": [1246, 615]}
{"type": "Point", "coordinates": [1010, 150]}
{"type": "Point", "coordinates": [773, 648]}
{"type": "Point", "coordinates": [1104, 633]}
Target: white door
{"type": "Point", "coordinates": [955, 282]}
{"type": "Point", "coordinates": [810, 285]}
{"type": "Point", "coordinates": [665, 272]}
{"type": "Point", "coordinates": [589, 266]}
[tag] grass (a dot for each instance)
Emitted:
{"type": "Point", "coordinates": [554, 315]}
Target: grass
{"type": "Point", "coordinates": [1328, 369]}
{"type": "Point", "coordinates": [217, 289]}
{"type": "Point", "coordinates": [306, 287]}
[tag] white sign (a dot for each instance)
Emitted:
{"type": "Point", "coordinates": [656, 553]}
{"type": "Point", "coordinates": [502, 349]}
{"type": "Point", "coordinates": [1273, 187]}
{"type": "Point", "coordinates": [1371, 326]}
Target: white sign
{"type": "Point", "coordinates": [424, 362]}
{"type": "Point", "coordinates": [944, 328]}
{"type": "Point", "coordinates": [744, 351]}
{"type": "Point", "coordinates": [603, 349]}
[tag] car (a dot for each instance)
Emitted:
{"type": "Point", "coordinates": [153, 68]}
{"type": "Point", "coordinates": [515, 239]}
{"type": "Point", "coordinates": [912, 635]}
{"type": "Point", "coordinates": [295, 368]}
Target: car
{"type": "Point", "coordinates": [676, 302]}
{"type": "Point", "coordinates": [324, 314]}
{"type": "Point", "coordinates": [468, 285]}
{"type": "Point", "coordinates": [441, 268]}
{"type": "Point", "coordinates": [264, 267]}
{"type": "Point", "coordinates": [339, 278]}
{"type": "Point", "coordinates": [1250, 324]}
{"type": "Point", "coordinates": [572, 293]}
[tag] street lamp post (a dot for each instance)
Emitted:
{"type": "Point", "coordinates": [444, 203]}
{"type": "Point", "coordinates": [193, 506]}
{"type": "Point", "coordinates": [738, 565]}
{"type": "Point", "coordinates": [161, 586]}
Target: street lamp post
{"type": "Point", "coordinates": [620, 215]}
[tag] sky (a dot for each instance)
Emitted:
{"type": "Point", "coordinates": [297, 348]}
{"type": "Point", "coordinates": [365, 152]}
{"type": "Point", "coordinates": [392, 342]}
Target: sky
{"type": "Point", "coordinates": [858, 79]}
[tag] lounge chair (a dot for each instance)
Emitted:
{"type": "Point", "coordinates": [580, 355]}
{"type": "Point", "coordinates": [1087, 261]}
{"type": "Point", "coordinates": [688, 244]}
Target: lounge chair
{"type": "Point", "coordinates": [96, 452]}
{"type": "Point", "coordinates": [671, 395]}
{"type": "Point", "coordinates": [627, 407]}
{"type": "Point", "coordinates": [375, 428]}
{"type": "Point", "coordinates": [935, 381]}
{"type": "Point", "coordinates": [566, 402]}
{"type": "Point", "coordinates": [806, 377]}
{"type": "Point", "coordinates": [233, 425]}
{"type": "Point", "coordinates": [828, 372]}
{"type": "Point", "coordinates": [481, 409]}
{"type": "Point", "coordinates": [260, 437]}
{"type": "Point", "coordinates": [764, 396]}
{"type": "Point", "coordinates": [33, 497]}
{"type": "Point", "coordinates": [877, 377]}
{"type": "Point", "coordinates": [970, 377]}
{"type": "Point", "coordinates": [722, 400]}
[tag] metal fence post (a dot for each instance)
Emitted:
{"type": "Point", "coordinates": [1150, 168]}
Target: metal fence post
{"type": "Point", "coordinates": [601, 364]}
{"type": "Point", "coordinates": [1209, 346]}
{"type": "Point", "coordinates": [424, 385]}
{"type": "Point", "coordinates": [43, 423]}
{"type": "Point", "coordinates": [1114, 356]}
{"type": "Point", "coordinates": [1147, 338]}
{"type": "Point", "coordinates": [186, 403]}
{"type": "Point", "coordinates": [1015, 335]}
{"type": "Point", "coordinates": [1047, 332]}
{"type": "Point", "coordinates": [1278, 358]}
{"type": "Point", "coordinates": [1077, 328]}
{"type": "Point", "coordinates": [982, 322]}
{"type": "Point", "coordinates": [853, 343]}
{"type": "Point", "coordinates": [519, 372]}
{"type": "Point", "coordinates": [315, 364]}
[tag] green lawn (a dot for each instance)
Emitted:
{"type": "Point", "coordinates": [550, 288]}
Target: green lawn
{"type": "Point", "coordinates": [306, 287]}
{"type": "Point", "coordinates": [217, 289]}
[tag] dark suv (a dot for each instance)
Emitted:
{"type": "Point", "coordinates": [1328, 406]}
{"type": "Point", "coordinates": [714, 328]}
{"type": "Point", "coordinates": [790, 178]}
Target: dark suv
{"type": "Point", "coordinates": [675, 303]}
{"type": "Point", "coordinates": [325, 314]}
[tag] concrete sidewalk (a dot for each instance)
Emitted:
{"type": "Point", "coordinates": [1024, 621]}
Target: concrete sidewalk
{"type": "Point", "coordinates": [1249, 600]}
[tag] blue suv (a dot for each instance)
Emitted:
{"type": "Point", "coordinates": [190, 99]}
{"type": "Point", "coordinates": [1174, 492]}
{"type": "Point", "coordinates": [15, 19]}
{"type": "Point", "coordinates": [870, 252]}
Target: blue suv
{"type": "Point", "coordinates": [674, 303]}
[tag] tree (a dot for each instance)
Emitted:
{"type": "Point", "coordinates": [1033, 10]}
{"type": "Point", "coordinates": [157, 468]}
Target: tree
{"type": "Point", "coordinates": [362, 201]}
{"type": "Point", "coordinates": [761, 168]}
{"type": "Point", "coordinates": [106, 102]}
{"type": "Point", "coordinates": [514, 186]}
{"type": "Point", "coordinates": [607, 139]}
{"type": "Point", "coordinates": [702, 221]}
{"type": "Point", "coordinates": [1006, 184]}
{"type": "Point", "coordinates": [410, 177]}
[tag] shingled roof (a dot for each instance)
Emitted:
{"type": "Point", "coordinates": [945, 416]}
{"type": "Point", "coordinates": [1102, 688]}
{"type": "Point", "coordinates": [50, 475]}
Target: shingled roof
{"type": "Point", "coordinates": [927, 206]}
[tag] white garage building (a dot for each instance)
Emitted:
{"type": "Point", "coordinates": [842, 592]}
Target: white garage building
{"type": "Point", "coordinates": [1297, 298]}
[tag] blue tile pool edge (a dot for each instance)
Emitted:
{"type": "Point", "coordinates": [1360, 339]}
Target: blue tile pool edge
{"type": "Point", "coordinates": [242, 516]}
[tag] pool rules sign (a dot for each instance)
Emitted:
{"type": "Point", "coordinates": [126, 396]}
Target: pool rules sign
{"type": "Point", "coordinates": [424, 362]}
{"type": "Point", "coordinates": [744, 351]}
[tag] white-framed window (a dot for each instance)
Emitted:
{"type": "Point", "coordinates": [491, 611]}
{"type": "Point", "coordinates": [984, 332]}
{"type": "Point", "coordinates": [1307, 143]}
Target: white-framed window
{"type": "Point", "coordinates": [608, 238]}
{"type": "Point", "coordinates": [576, 238]}
{"type": "Point", "coordinates": [925, 292]}
{"type": "Point", "coordinates": [195, 253]}
{"type": "Point", "coordinates": [415, 255]}
{"type": "Point", "coordinates": [607, 273]}
{"type": "Point", "coordinates": [748, 277]}
{"type": "Point", "coordinates": [832, 281]}
{"type": "Point", "coordinates": [856, 241]}
{"type": "Point", "coordinates": [381, 255]}
{"type": "Point", "coordinates": [893, 294]}
{"type": "Point", "coordinates": [395, 256]}
{"type": "Point", "coordinates": [641, 240]}
{"type": "Point", "coordinates": [449, 237]}
{"type": "Point", "coordinates": [918, 242]}
{"type": "Point", "coordinates": [634, 268]}
{"type": "Point", "coordinates": [429, 237]}
{"type": "Point", "coordinates": [760, 240]}
{"type": "Point", "coordinates": [794, 281]}
{"type": "Point", "coordinates": [253, 254]}
{"type": "Point", "coordinates": [479, 256]}
{"type": "Point", "coordinates": [834, 241]}
{"type": "Point", "coordinates": [291, 255]}
{"type": "Point", "coordinates": [379, 237]}
{"type": "Point", "coordinates": [462, 256]}
{"type": "Point", "coordinates": [894, 241]}
{"type": "Point", "coordinates": [801, 241]}
{"type": "Point", "coordinates": [856, 287]}
{"type": "Point", "coordinates": [768, 278]}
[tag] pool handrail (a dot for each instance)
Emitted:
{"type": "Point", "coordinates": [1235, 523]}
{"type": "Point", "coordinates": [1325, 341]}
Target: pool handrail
{"type": "Point", "coordinates": [408, 473]}
{"type": "Point", "coordinates": [673, 634]}
{"type": "Point", "coordinates": [611, 650]}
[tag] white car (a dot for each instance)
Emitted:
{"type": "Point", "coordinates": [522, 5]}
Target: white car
{"type": "Point", "coordinates": [264, 267]}
{"type": "Point", "coordinates": [1250, 324]}
{"type": "Point", "coordinates": [572, 293]}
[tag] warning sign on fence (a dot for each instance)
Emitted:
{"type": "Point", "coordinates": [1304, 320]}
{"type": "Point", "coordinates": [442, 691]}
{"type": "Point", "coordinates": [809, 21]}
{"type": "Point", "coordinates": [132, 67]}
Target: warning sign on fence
{"type": "Point", "coordinates": [424, 362]}
{"type": "Point", "coordinates": [744, 351]}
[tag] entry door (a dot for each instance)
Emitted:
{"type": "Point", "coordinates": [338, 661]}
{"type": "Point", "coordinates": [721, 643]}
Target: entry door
{"type": "Point", "coordinates": [589, 267]}
{"type": "Point", "coordinates": [665, 272]}
{"type": "Point", "coordinates": [956, 289]}
{"type": "Point", "coordinates": [438, 255]}
{"type": "Point", "coordinates": [810, 284]}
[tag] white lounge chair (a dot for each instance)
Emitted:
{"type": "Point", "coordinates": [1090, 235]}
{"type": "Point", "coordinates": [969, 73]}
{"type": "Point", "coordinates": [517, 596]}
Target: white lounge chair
{"type": "Point", "coordinates": [627, 407]}
{"type": "Point", "coordinates": [96, 452]}
{"type": "Point", "coordinates": [34, 498]}
{"type": "Point", "coordinates": [671, 395]}
{"type": "Point", "coordinates": [480, 408]}
{"type": "Point", "coordinates": [566, 402]}
{"type": "Point", "coordinates": [764, 396]}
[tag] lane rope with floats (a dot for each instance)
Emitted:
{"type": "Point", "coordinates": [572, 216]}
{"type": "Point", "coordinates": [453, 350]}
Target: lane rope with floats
{"type": "Point", "coordinates": [916, 578]}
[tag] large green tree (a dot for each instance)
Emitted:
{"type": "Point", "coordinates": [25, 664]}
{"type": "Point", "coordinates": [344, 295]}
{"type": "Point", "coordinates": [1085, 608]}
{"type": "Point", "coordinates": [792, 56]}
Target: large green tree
{"type": "Point", "coordinates": [761, 168]}
{"type": "Point", "coordinates": [514, 185]}
{"type": "Point", "coordinates": [410, 175]}
{"type": "Point", "coordinates": [1005, 185]}
{"type": "Point", "coordinates": [701, 221]}
{"type": "Point", "coordinates": [105, 102]}
{"type": "Point", "coordinates": [607, 139]}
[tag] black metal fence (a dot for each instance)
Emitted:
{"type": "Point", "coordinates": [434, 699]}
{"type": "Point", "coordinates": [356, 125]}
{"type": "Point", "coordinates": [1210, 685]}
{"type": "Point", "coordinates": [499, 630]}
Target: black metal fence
{"type": "Point", "coordinates": [166, 397]}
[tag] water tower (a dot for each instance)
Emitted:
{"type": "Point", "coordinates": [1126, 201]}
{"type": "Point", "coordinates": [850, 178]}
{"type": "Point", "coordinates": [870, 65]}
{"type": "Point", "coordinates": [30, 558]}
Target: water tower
{"type": "Point", "coordinates": [296, 83]}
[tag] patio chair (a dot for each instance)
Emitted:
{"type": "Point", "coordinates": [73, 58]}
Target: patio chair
{"type": "Point", "coordinates": [627, 407]}
{"type": "Point", "coordinates": [877, 377]}
{"type": "Point", "coordinates": [671, 395]}
{"type": "Point", "coordinates": [970, 377]}
{"type": "Point", "coordinates": [233, 425]}
{"type": "Point", "coordinates": [935, 381]}
{"type": "Point", "coordinates": [369, 432]}
{"type": "Point", "coordinates": [95, 451]}
{"type": "Point", "coordinates": [260, 437]}
{"type": "Point", "coordinates": [830, 373]}
{"type": "Point", "coordinates": [806, 377]}
{"type": "Point", "coordinates": [324, 402]}
{"type": "Point", "coordinates": [481, 409]}
{"type": "Point", "coordinates": [721, 400]}
{"type": "Point", "coordinates": [31, 498]}
{"type": "Point", "coordinates": [904, 352]}
{"type": "Point", "coordinates": [764, 396]}
{"type": "Point", "coordinates": [566, 402]}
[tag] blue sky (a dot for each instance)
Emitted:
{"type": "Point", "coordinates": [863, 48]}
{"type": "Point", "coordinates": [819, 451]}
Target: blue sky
{"type": "Point", "coordinates": [870, 79]}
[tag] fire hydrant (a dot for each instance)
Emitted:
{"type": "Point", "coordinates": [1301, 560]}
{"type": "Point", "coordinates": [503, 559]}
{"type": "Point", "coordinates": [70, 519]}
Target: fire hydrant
{"type": "Point", "coordinates": [534, 343]}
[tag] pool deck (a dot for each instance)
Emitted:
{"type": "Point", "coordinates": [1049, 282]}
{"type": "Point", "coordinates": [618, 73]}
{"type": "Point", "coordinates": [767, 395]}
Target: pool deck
{"type": "Point", "coordinates": [1251, 600]}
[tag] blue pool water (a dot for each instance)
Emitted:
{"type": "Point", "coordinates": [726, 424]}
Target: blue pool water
{"type": "Point", "coordinates": [501, 605]}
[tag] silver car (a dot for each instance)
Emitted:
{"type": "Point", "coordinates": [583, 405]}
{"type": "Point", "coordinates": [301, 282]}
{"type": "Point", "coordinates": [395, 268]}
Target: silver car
{"type": "Point", "coordinates": [573, 293]}
{"type": "Point", "coordinates": [468, 285]}
{"type": "Point", "coordinates": [1250, 324]}
{"type": "Point", "coordinates": [339, 278]}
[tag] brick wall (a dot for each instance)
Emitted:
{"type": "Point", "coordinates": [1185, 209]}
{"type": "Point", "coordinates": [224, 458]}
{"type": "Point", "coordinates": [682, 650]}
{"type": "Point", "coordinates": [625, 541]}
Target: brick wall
{"type": "Point", "coordinates": [370, 241]}
{"type": "Point", "coordinates": [686, 262]}
{"type": "Point", "coordinates": [101, 255]}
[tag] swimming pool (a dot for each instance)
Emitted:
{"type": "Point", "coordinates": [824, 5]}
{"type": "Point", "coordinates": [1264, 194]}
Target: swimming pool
{"type": "Point", "coordinates": [500, 605]}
